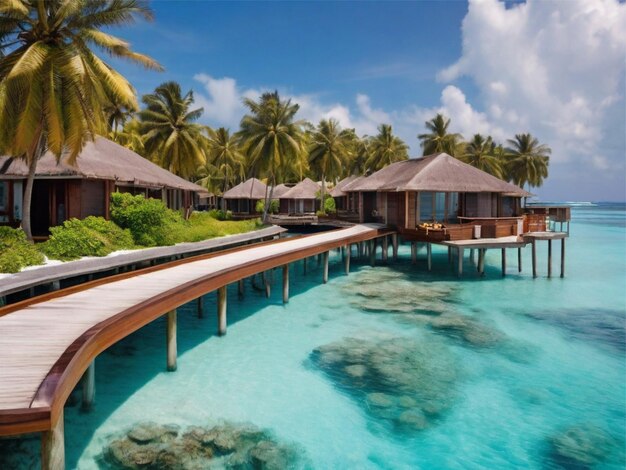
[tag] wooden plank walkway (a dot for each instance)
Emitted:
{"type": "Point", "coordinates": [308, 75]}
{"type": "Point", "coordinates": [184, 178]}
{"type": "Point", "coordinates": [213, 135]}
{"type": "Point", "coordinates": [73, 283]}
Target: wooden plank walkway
{"type": "Point", "coordinates": [48, 342]}
{"type": "Point", "coordinates": [48, 274]}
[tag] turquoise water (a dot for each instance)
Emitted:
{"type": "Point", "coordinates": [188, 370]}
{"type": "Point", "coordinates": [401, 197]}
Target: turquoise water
{"type": "Point", "coordinates": [506, 366]}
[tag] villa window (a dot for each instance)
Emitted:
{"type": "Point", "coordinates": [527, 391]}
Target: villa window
{"type": "Point", "coordinates": [4, 196]}
{"type": "Point", "coordinates": [439, 206]}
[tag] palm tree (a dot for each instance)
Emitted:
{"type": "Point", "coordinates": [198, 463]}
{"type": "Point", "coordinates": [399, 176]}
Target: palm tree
{"type": "Point", "coordinates": [329, 150]}
{"type": "Point", "coordinates": [528, 160]}
{"type": "Point", "coordinates": [53, 86]}
{"type": "Point", "coordinates": [480, 154]}
{"type": "Point", "coordinates": [357, 165]}
{"type": "Point", "coordinates": [438, 139]}
{"type": "Point", "coordinates": [117, 115]}
{"type": "Point", "coordinates": [171, 136]}
{"type": "Point", "coordinates": [224, 154]}
{"type": "Point", "coordinates": [130, 137]}
{"type": "Point", "coordinates": [271, 137]}
{"type": "Point", "coordinates": [386, 148]}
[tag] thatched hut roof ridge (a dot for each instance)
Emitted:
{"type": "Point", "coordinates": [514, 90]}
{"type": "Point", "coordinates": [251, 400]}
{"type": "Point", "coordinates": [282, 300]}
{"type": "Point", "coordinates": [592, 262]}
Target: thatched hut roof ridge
{"type": "Point", "coordinates": [305, 189]}
{"type": "Point", "coordinates": [250, 189]}
{"type": "Point", "coordinates": [439, 172]}
{"type": "Point", "coordinates": [100, 159]}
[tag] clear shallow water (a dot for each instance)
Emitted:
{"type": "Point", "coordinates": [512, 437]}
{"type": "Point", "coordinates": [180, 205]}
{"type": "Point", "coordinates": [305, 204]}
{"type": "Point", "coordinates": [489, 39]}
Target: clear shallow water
{"type": "Point", "coordinates": [530, 359]}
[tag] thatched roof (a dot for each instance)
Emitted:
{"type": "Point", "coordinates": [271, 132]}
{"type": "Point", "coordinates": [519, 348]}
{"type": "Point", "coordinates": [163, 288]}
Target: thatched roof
{"type": "Point", "coordinates": [249, 189]}
{"type": "Point", "coordinates": [339, 189]}
{"type": "Point", "coordinates": [305, 189]}
{"type": "Point", "coordinates": [279, 190]}
{"type": "Point", "coordinates": [439, 172]}
{"type": "Point", "coordinates": [101, 159]}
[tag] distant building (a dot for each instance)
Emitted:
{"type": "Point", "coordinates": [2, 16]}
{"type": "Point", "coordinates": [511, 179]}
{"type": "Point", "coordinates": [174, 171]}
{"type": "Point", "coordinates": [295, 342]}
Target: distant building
{"type": "Point", "coordinates": [241, 199]}
{"type": "Point", "coordinates": [62, 191]}
{"type": "Point", "coordinates": [301, 199]}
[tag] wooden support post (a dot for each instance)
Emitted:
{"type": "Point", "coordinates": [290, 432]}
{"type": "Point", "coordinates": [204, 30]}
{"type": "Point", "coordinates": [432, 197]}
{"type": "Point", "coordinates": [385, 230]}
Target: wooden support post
{"type": "Point", "coordinates": [562, 257]}
{"type": "Point", "coordinates": [55, 285]}
{"type": "Point", "coordinates": [414, 252]}
{"type": "Point", "coordinates": [222, 298]}
{"type": "Point", "coordinates": [450, 255]}
{"type": "Point", "coordinates": [460, 261]}
{"type": "Point", "coordinates": [429, 256]}
{"type": "Point", "coordinates": [304, 261]}
{"type": "Point", "coordinates": [200, 307]}
{"type": "Point", "coordinates": [285, 283]}
{"type": "Point", "coordinates": [481, 261]}
{"type": "Point", "coordinates": [503, 262]}
{"type": "Point", "coordinates": [549, 258]}
{"type": "Point", "coordinates": [53, 446]}
{"type": "Point", "coordinates": [534, 247]}
{"type": "Point", "coordinates": [519, 260]}
{"type": "Point", "coordinates": [346, 260]}
{"type": "Point", "coordinates": [394, 244]}
{"type": "Point", "coordinates": [385, 248]}
{"type": "Point", "coordinates": [325, 275]}
{"type": "Point", "coordinates": [241, 288]}
{"type": "Point", "coordinates": [472, 256]}
{"type": "Point", "coordinates": [319, 260]}
{"type": "Point", "coordinates": [171, 341]}
{"type": "Point", "coordinates": [372, 249]}
{"type": "Point", "coordinates": [89, 386]}
{"type": "Point", "coordinates": [268, 285]}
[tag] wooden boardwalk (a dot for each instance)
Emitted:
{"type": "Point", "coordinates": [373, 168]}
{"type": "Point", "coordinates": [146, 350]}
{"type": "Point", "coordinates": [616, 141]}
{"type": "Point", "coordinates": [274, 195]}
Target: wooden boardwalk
{"type": "Point", "coordinates": [47, 343]}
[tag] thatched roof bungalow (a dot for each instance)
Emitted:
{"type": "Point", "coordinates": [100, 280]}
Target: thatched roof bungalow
{"type": "Point", "coordinates": [62, 191]}
{"type": "Point", "coordinates": [344, 200]}
{"type": "Point", "coordinates": [434, 188]}
{"type": "Point", "coordinates": [301, 199]}
{"type": "Point", "coordinates": [242, 199]}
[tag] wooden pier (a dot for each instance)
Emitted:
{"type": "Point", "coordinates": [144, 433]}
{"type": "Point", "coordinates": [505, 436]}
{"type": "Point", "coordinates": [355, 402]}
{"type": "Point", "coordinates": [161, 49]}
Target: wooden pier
{"type": "Point", "coordinates": [50, 342]}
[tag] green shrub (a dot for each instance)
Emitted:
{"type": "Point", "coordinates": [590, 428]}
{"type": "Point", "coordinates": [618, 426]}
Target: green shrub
{"type": "Point", "coordinates": [150, 222]}
{"type": "Point", "coordinates": [202, 225]}
{"type": "Point", "coordinates": [329, 205]}
{"type": "Point", "coordinates": [93, 236]}
{"type": "Point", "coordinates": [219, 214]}
{"type": "Point", "coordinates": [16, 252]}
{"type": "Point", "coordinates": [274, 206]}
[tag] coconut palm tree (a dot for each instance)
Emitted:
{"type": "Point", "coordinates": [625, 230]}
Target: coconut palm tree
{"type": "Point", "coordinates": [329, 150]}
{"type": "Point", "coordinates": [438, 139]}
{"type": "Point", "coordinates": [130, 137]}
{"type": "Point", "coordinates": [271, 137]}
{"type": "Point", "coordinates": [53, 85]}
{"type": "Point", "coordinates": [225, 156]}
{"type": "Point", "coordinates": [528, 160]}
{"type": "Point", "coordinates": [386, 148]}
{"type": "Point", "coordinates": [479, 153]}
{"type": "Point", "coordinates": [357, 164]}
{"type": "Point", "coordinates": [172, 138]}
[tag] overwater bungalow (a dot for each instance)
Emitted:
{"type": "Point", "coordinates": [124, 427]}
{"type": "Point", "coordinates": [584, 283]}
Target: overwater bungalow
{"type": "Point", "coordinates": [62, 191]}
{"type": "Point", "coordinates": [301, 199]}
{"type": "Point", "coordinates": [279, 190]}
{"type": "Point", "coordinates": [344, 200]}
{"type": "Point", "coordinates": [241, 200]}
{"type": "Point", "coordinates": [438, 197]}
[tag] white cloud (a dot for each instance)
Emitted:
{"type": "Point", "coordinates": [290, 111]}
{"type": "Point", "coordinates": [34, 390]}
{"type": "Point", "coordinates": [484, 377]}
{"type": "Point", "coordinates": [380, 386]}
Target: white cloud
{"type": "Point", "coordinates": [552, 68]}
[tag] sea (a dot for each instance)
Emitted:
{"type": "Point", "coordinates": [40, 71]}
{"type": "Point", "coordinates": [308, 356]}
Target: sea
{"type": "Point", "coordinates": [389, 367]}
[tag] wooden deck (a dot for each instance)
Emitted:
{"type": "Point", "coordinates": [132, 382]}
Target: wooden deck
{"type": "Point", "coordinates": [49, 274]}
{"type": "Point", "coordinates": [47, 343]}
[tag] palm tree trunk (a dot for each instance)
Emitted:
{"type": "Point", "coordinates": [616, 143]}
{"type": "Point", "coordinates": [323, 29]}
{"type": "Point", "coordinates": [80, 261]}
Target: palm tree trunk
{"type": "Point", "coordinates": [268, 201]}
{"type": "Point", "coordinates": [322, 204]}
{"type": "Point", "coordinates": [28, 197]}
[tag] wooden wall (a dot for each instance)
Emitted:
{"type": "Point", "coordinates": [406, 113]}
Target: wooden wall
{"type": "Point", "coordinates": [93, 197]}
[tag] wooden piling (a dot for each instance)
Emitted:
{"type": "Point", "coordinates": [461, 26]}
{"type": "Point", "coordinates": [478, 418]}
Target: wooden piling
{"type": "Point", "coordinates": [222, 298]}
{"type": "Point", "coordinates": [241, 288]}
{"type": "Point", "coordinates": [285, 283]}
{"type": "Point", "coordinates": [472, 256]}
{"type": "Point", "coordinates": [55, 285]}
{"type": "Point", "coordinates": [372, 250]}
{"type": "Point", "coordinates": [429, 255]}
{"type": "Point", "coordinates": [385, 248]}
{"type": "Point", "coordinates": [346, 260]}
{"type": "Point", "coordinates": [549, 258]}
{"type": "Point", "coordinates": [267, 285]}
{"type": "Point", "coordinates": [89, 386]}
{"type": "Point", "coordinates": [200, 307]}
{"type": "Point", "coordinates": [53, 446]}
{"type": "Point", "coordinates": [460, 261]}
{"type": "Point", "coordinates": [171, 340]}
{"type": "Point", "coordinates": [414, 252]}
{"type": "Point", "coordinates": [481, 261]}
{"type": "Point", "coordinates": [304, 261]}
{"type": "Point", "coordinates": [325, 275]}
{"type": "Point", "coordinates": [534, 249]}
{"type": "Point", "coordinates": [503, 262]}
{"type": "Point", "coordinates": [519, 260]}
{"type": "Point", "coordinates": [562, 257]}
{"type": "Point", "coordinates": [450, 255]}
{"type": "Point", "coordinates": [394, 244]}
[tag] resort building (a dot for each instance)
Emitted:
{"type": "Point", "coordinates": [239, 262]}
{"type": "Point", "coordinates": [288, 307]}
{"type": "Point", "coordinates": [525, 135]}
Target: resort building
{"type": "Point", "coordinates": [442, 191]}
{"type": "Point", "coordinates": [241, 199]}
{"type": "Point", "coordinates": [62, 191]}
{"type": "Point", "coordinates": [346, 201]}
{"type": "Point", "coordinates": [301, 199]}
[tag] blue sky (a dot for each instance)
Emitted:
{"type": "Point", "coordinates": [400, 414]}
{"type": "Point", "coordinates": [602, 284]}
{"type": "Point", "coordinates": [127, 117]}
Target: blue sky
{"type": "Point", "coordinates": [493, 68]}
